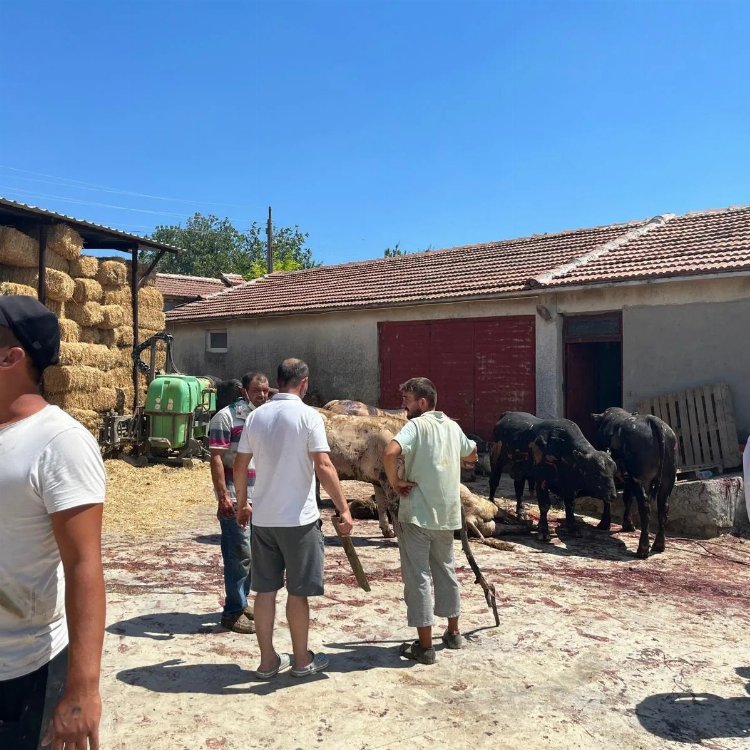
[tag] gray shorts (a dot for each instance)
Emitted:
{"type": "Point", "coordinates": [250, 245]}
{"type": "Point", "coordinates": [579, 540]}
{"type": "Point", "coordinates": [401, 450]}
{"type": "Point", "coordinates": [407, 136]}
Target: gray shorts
{"type": "Point", "coordinates": [298, 550]}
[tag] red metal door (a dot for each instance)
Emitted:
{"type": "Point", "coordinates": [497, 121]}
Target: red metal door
{"type": "Point", "coordinates": [481, 367]}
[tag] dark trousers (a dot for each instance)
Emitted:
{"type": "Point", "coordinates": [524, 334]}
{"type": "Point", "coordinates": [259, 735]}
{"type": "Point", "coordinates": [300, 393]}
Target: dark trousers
{"type": "Point", "coordinates": [26, 704]}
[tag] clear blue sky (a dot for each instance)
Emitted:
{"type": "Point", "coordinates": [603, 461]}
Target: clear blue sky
{"type": "Point", "coordinates": [370, 123]}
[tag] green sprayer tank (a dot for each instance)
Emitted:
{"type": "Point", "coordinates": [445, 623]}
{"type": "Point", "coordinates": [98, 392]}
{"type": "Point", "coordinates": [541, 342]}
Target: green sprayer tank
{"type": "Point", "coordinates": [178, 408]}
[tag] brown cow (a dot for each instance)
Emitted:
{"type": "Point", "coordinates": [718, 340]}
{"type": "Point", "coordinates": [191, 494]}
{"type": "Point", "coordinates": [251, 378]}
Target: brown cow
{"type": "Point", "coordinates": [357, 445]}
{"type": "Point", "coordinates": [361, 409]}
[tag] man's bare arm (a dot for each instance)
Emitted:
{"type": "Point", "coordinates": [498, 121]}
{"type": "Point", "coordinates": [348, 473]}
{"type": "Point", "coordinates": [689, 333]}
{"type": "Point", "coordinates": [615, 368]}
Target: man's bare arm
{"type": "Point", "coordinates": [226, 508]}
{"type": "Point", "coordinates": [390, 464]}
{"type": "Point", "coordinates": [78, 535]}
{"type": "Point", "coordinates": [329, 479]}
{"type": "Point", "coordinates": [239, 470]}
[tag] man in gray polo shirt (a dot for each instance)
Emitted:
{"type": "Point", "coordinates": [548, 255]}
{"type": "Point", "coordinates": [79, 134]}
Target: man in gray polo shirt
{"type": "Point", "coordinates": [287, 439]}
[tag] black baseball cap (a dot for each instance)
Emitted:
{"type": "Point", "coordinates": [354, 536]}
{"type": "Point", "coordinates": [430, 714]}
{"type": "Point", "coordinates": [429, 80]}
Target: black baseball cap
{"type": "Point", "coordinates": [35, 327]}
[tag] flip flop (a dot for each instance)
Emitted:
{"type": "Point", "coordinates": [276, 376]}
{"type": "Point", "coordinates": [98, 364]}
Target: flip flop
{"type": "Point", "coordinates": [285, 661]}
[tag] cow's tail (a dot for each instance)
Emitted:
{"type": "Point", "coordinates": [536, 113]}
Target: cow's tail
{"type": "Point", "coordinates": [658, 432]}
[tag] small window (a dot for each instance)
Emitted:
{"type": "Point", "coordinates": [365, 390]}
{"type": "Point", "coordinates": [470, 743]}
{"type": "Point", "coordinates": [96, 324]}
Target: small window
{"type": "Point", "coordinates": [216, 341]}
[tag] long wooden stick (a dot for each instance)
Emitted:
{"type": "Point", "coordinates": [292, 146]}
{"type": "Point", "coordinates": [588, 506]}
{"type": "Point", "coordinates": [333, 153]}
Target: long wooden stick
{"type": "Point", "coordinates": [488, 588]}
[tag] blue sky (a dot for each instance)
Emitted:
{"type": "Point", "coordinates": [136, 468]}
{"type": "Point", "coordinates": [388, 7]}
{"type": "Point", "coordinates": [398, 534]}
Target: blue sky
{"type": "Point", "coordinates": [430, 124]}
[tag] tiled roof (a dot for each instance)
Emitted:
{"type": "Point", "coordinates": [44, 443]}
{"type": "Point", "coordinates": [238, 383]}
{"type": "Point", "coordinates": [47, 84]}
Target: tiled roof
{"type": "Point", "coordinates": [194, 287]}
{"type": "Point", "coordinates": [704, 242]}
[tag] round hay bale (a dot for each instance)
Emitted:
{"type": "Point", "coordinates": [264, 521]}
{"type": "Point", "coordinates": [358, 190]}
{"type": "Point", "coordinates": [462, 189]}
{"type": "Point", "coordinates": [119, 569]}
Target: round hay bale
{"type": "Point", "coordinates": [9, 288]}
{"type": "Point", "coordinates": [65, 241]}
{"type": "Point", "coordinates": [87, 290]}
{"type": "Point", "coordinates": [84, 267]}
{"type": "Point", "coordinates": [113, 316]}
{"type": "Point", "coordinates": [70, 331]}
{"type": "Point", "coordinates": [88, 418]}
{"type": "Point", "coordinates": [112, 273]}
{"type": "Point", "coordinates": [60, 378]}
{"type": "Point", "coordinates": [86, 314]}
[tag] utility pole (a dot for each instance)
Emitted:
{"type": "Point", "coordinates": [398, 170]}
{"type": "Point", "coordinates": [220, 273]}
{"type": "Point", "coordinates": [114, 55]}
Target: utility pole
{"type": "Point", "coordinates": [269, 241]}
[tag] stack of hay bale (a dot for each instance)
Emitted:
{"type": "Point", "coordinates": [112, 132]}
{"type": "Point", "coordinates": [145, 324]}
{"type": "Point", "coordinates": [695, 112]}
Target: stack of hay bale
{"type": "Point", "coordinates": [92, 300]}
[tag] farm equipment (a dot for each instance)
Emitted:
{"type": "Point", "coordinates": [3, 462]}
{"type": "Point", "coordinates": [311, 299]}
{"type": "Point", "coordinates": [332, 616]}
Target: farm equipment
{"type": "Point", "coordinates": [172, 426]}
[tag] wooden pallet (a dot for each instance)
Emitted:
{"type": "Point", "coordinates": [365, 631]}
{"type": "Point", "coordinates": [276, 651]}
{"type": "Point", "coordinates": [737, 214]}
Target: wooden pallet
{"type": "Point", "coordinates": [703, 420]}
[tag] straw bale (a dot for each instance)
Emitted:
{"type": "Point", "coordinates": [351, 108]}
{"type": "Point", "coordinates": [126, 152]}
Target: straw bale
{"type": "Point", "coordinates": [57, 307]}
{"type": "Point", "coordinates": [65, 241]}
{"type": "Point", "coordinates": [91, 355]}
{"type": "Point", "coordinates": [18, 249]}
{"type": "Point", "coordinates": [152, 318]}
{"type": "Point", "coordinates": [112, 273]}
{"type": "Point", "coordinates": [72, 378]}
{"type": "Point", "coordinates": [120, 336]}
{"type": "Point", "coordinates": [120, 377]}
{"type": "Point", "coordinates": [70, 331]}
{"type": "Point", "coordinates": [86, 314]}
{"type": "Point", "coordinates": [90, 335]}
{"type": "Point", "coordinates": [57, 262]}
{"type": "Point", "coordinates": [113, 316]}
{"type": "Point", "coordinates": [10, 288]}
{"type": "Point", "coordinates": [99, 399]}
{"type": "Point", "coordinates": [88, 418]}
{"type": "Point", "coordinates": [84, 267]}
{"type": "Point", "coordinates": [59, 285]}
{"type": "Point", "coordinates": [150, 298]}
{"type": "Point", "coordinates": [87, 290]}
{"type": "Point", "coordinates": [117, 295]}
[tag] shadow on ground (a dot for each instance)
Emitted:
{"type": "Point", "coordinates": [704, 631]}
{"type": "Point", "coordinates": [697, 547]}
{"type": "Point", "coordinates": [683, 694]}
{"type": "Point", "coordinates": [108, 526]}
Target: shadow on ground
{"type": "Point", "coordinates": [164, 626]}
{"type": "Point", "coordinates": [695, 717]}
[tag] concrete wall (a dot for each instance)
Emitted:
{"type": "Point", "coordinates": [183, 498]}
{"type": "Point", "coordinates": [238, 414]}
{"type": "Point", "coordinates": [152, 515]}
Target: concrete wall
{"type": "Point", "coordinates": [673, 338]}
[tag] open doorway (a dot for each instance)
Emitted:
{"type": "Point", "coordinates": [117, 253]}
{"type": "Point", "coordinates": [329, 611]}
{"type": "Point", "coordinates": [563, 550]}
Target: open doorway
{"type": "Point", "coordinates": [593, 366]}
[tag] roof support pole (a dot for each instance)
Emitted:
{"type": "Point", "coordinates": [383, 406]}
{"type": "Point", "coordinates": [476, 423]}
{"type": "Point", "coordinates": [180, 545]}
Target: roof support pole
{"type": "Point", "coordinates": [134, 303]}
{"type": "Point", "coordinates": [41, 285]}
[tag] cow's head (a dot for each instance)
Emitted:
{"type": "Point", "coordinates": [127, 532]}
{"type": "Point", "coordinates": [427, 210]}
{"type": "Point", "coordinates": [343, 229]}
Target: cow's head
{"type": "Point", "coordinates": [598, 470]}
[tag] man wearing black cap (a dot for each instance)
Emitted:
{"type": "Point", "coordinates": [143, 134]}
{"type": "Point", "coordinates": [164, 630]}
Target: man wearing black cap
{"type": "Point", "coordinates": [51, 584]}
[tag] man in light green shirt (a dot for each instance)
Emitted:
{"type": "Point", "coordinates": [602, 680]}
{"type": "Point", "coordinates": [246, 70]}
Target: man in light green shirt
{"type": "Point", "coordinates": [432, 446]}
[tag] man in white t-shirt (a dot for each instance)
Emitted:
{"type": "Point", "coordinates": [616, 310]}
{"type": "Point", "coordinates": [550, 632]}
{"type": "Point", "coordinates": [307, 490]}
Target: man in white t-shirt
{"type": "Point", "coordinates": [287, 440]}
{"type": "Point", "coordinates": [52, 486]}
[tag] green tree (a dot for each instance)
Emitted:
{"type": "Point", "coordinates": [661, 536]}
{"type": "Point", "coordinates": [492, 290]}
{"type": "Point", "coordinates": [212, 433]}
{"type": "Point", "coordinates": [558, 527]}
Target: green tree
{"type": "Point", "coordinates": [214, 246]}
{"type": "Point", "coordinates": [392, 252]}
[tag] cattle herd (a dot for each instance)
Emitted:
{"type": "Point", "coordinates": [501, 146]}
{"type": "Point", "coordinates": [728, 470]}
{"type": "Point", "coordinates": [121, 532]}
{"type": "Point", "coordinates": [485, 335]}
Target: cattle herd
{"type": "Point", "coordinates": [552, 456]}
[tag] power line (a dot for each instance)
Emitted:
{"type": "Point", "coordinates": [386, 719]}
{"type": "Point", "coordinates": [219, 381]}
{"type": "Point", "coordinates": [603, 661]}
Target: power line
{"type": "Point", "coordinates": [80, 184]}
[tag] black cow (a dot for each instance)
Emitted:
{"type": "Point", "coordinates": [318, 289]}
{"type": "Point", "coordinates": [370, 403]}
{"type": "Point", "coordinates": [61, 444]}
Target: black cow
{"type": "Point", "coordinates": [510, 445]}
{"type": "Point", "coordinates": [562, 462]}
{"type": "Point", "coordinates": [643, 447]}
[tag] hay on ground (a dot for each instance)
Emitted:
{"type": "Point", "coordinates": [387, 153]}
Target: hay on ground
{"type": "Point", "coordinates": [87, 290]}
{"type": "Point", "coordinates": [112, 273]}
{"type": "Point", "coordinates": [10, 288]}
{"type": "Point", "coordinates": [65, 241]}
{"type": "Point", "coordinates": [135, 496]}
{"type": "Point", "coordinates": [84, 267]}
{"type": "Point", "coordinates": [113, 316]}
{"type": "Point", "coordinates": [86, 314]}
{"type": "Point", "coordinates": [70, 331]}
{"type": "Point", "coordinates": [60, 378]}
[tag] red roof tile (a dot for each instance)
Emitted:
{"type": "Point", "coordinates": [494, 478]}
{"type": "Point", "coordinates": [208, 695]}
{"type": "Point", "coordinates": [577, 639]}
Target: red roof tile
{"type": "Point", "coordinates": [195, 287]}
{"type": "Point", "coordinates": [706, 242]}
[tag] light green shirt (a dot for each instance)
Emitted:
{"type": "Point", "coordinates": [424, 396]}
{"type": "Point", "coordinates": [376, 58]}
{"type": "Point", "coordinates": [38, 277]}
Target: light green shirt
{"type": "Point", "coordinates": [433, 446]}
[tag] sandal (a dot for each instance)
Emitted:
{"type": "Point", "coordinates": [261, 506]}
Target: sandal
{"type": "Point", "coordinates": [418, 653]}
{"type": "Point", "coordinates": [285, 661]}
{"type": "Point", "coordinates": [452, 640]}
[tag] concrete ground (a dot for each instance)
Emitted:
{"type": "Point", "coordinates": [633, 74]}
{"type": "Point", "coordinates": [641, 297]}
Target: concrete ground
{"type": "Point", "coordinates": [595, 649]}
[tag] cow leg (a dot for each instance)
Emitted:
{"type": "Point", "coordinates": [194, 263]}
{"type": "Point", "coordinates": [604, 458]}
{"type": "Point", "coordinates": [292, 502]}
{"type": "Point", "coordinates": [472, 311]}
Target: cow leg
{"type": "Point", "coordinates": [644, 510]}
{"type": "Point", "coordinates": [381, 502]}
{"type": "Point", "coordinates": [518, 485]}
{"type": "Point", "coordinates": [627, 519]}
{"type": "Point", "coordinates": [570, 516]}
{"type": "Point", "coordinates": [531, 486]}
{"type": "Point", "coordinates": [606, 521]}
{"type": "Point", "coordinates": [662, 507]}
{"type": "Point", "coordinates": [542, 497]}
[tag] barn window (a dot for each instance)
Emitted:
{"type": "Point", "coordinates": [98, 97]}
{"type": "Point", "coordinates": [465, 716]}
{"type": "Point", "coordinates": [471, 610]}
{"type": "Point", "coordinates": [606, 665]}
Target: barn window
{"type": "Point", "coordinates": [217, 341]}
